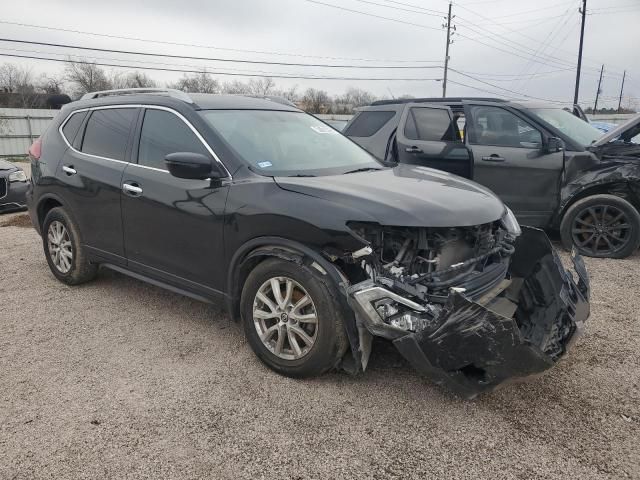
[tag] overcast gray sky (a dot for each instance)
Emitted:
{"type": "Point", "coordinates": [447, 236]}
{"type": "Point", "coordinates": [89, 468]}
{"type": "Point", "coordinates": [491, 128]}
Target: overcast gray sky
{"type": "Point", "coordinates": [523, 47]}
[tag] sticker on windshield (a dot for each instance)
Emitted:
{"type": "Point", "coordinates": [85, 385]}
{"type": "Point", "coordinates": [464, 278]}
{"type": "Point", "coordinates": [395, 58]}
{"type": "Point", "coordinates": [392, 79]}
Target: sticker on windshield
{"type": "Point", "coordinates": [323, 129]}
{"type": "Point", "coordinates": [265, 164]}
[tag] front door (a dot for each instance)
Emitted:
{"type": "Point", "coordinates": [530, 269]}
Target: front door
{"type": "Point", "coordinates": [427, 135]}
{"type": "Point", "coordinates": [172, 226]}
{"type": "Point", "coordinates": [509, 158]}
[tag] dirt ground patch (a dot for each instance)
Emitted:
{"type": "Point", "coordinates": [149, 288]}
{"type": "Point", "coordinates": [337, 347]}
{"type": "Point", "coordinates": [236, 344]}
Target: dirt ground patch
{"type": "Point", "coordinates": [120, 379]}
{"type": "Point", "coordinates": [16, 220]}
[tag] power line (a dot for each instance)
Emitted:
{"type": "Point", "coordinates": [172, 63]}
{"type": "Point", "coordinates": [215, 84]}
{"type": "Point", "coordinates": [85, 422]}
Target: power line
{"type": "Point", "coordinates": [371, 15]}
{"type": "Point", "coordinates": [420, 11]}
{"type": "Point", "coordinates": [212, 47]}
{"type": "Point", "coordinates": [211, 59]}
{"type": "Point", "coordinates": [213, 72]}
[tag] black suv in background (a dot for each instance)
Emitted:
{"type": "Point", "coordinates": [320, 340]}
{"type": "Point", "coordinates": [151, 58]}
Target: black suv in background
{"type": "Point", "coordinates": [316, 246]}
{"type": "Point", "coordinates": [551, 168]}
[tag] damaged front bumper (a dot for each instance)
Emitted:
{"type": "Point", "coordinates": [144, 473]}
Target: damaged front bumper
{"type": "Point", "coordinates": [473, 345]}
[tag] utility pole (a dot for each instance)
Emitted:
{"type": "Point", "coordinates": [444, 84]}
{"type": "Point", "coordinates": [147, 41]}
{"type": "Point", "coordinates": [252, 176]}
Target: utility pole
{"type": "Point", "coordinates": [583, 11]}
{"type": "Point", "coordinates": [595, 105]}
{"type": "Point", "coordinates": [446, 55]}
{"type": "Point", "coordinates": [624, 74]}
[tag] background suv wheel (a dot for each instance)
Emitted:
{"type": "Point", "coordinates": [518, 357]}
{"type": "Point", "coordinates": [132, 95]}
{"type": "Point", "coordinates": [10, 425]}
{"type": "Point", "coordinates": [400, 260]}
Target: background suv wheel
{"type": "Point", "coordinates": [601, 226]}
{"type": "Point", "coordinates": [293, 319]}
{"type": "Point", "coordinates": [63, 249]}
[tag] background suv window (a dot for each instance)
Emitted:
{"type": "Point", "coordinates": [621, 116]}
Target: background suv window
{"type": "Point", "coordinates": [107, 132]}
{"type": "Point", "coordinates": [498, 127]}
{"type": "Point", "coordinates": [429, 124]}
{"type": "Point", "coordinates": [164, 133]}
{"type": "Point", "coordinates": [368, 123]}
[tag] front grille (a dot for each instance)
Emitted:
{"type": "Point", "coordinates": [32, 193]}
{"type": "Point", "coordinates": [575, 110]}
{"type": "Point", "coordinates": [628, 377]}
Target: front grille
{"type": "Point", "coordinates": [3, 187]}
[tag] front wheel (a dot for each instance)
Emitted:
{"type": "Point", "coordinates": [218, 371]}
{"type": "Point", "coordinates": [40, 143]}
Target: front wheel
{"type": "Point", "coordinates": [293, 319]}
{"type": "Point", "coordinates": [603, 226]}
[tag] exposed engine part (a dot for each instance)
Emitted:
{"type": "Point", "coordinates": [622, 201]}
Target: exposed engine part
{"type": "Point", "coordinates": [427, 262]}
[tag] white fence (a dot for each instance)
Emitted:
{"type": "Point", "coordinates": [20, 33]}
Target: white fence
{"type": "Point", "coordinates": [19, 127]}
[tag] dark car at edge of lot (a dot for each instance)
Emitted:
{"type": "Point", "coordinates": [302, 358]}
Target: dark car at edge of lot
{"type": "Point", "coordinates": [554, 170]}
{"type": "Point", "coordinates": [313, 244]}
{"type": "Point", "coordinates": [13, 187]}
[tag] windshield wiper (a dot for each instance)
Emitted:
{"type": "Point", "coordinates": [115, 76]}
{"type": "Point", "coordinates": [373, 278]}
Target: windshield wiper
{"type": "Point", "coordinates": [301, 175]}
{"type": "Point", "coordinates": [365, 169]}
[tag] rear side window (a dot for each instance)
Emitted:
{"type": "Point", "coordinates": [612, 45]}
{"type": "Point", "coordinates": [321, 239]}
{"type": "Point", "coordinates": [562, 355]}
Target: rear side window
{"type": "Point", "coordinates": [429, 124]}
{"type": "Point", "coordinates": [107, 132]}
{"type": "Point", "coordinates": [368, 123]}
{"type": "Point", "coordinates": [164, 133]}
{"type": "Point", "coordinates": [71, 127]}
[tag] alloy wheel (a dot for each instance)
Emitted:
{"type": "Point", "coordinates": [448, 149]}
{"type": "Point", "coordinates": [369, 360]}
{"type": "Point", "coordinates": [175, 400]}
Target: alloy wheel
{"type": "Point", "coordinates": [285, 318]}
{"type": "Point", "coordinates": [60, 248]}
{"type": "Point", "coordinates": [601, 230]}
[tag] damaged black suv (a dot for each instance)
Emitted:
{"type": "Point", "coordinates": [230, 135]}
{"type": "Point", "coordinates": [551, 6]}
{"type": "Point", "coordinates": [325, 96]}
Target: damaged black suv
{"type": "Point", "coordinates": [311, 242]}
{"type": "Point", "coordinates": [554, 170]}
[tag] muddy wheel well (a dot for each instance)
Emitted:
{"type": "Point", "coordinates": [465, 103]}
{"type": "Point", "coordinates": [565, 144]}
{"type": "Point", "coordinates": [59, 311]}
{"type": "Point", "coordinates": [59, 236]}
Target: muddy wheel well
{"type": "Point", "coordinates": [619, 189]}
{"type": "Point", "coordinates": [45, 206]}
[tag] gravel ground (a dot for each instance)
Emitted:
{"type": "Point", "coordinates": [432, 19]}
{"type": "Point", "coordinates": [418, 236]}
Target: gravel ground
{"type": "Point", "coordinates": [119, 379]}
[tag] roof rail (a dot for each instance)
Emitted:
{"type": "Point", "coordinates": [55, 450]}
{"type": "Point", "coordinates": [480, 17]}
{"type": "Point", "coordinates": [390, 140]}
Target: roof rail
{"type": "Point", "coordinates": [170, 92]}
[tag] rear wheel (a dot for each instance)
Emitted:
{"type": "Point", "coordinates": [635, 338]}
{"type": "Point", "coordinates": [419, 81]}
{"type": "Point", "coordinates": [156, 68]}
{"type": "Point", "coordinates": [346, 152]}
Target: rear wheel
{"type": "Point", "coordinates": [292, 319]}
{"type": "Point", "coordinates": [601, 226]}
{"type": "Point", "coordinates": [63, 249]}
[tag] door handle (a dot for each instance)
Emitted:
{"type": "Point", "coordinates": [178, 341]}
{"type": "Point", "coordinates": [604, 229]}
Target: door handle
{"type": "Point", "coordinates": [493, 158]}
{"type": "Point", "coordinates": [132, 189]}
{"type": "Point", "coordinates": [413, 149]}
{"type": "Point", "coordinates": [69, 170]}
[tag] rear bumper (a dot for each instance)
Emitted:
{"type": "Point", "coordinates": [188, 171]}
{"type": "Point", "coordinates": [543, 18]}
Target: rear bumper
{"type": "Point", "coordinates": [472, 347]}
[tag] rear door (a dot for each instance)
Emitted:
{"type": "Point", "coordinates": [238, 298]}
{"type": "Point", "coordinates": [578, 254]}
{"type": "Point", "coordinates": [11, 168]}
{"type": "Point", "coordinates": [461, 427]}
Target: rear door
{"type": "Point", "coordinates": [427, 135]}
{"type": "Point", "coordinates": [91, 173]}
{"type": "Point", "coordinates": [509, 158]}
{"type": "Point", "coordinates": [172, 226]}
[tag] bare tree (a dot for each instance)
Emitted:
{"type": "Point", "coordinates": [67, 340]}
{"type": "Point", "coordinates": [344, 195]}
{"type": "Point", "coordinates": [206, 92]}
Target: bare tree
{"type": "Point", "coordinates": [86, 77]}
{"type": "Point", "coordinates": [53, 85]}
{"type": "Point", "coordinates": [262, 86]}
{"type": "Point", "coordinates": [236, 87]}
{"type": "Point", "coordinates": [197, 83]}
{"type": "Point", "coordinates": [132, 80]}
{"type": "Point", "coordinates": [290, 94]}
{"type": "Point", "coordinates": [358, 97]}
{"type": "Point", "coordinates": [19, 82]}
{"type": "Point", "coordinates": [315, 101]}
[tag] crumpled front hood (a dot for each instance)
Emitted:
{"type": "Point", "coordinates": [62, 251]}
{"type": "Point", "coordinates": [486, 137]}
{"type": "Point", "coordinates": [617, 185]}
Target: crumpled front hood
{"type": "Point", "coordinates": [406, 195]}
{"type": "Point", "coordinates": [4, 165]}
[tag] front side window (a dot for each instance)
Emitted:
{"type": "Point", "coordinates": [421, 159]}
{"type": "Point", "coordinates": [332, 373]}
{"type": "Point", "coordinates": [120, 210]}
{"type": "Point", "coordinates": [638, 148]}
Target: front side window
{"type": "Point", "coordinates": [429, 124]}
{"type": "Point", "coordinates": [164, 133]}
{"type": "Point", "coordinates": [573, 127]}
{"type": "Point", "coordinates": [496, 126]}
{"type": "Point", "coordinates": [281, 143]}
{"type": "Point", "coordinates": [107, 132]}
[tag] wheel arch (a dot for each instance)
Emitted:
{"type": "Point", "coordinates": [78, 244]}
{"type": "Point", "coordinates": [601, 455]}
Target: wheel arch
{"type": "Point", "coordinates": [46, 203]}
{"type": "Point", "coordinates": [626, 190]}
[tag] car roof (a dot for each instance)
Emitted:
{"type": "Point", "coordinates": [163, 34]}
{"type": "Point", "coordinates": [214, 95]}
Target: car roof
{"type": "Point", "coordinates": [438, 100]}
{"type": "Point", "coordinates": [172, 98]}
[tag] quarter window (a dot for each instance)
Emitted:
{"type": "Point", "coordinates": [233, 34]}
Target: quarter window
{"type": "Point", "coordinates": [71, 127]}
{"type": "Point", "coordinates": [164, 133]}
{"type": "Point", "coordinates": [429, 124]}
{"type": "Point", "coordinates": [368, 123]}
{"type": "Point", "coordinates": [107, 132]}
{"type": "Point", "coordinates": [498, 127]}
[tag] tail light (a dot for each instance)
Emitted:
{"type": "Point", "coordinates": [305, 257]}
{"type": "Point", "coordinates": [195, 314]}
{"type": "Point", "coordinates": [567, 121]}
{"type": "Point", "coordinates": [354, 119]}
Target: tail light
{"type": "Point", "coordinates": [35, 150]}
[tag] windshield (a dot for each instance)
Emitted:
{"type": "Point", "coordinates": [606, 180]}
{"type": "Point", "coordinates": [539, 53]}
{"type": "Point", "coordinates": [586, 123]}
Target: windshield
{"type": "Point", "coordinates": [288, 143]}
{"type": "Point", "coordinates": [573, 127]}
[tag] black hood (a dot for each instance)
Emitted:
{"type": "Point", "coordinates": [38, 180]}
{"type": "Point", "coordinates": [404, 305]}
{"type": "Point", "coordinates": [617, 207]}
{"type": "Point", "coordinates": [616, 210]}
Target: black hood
{"type": "Point", "coordinates": [406, 195]}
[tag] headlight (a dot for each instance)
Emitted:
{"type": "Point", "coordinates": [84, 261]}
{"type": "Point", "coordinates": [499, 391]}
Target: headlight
{"type": "Point", "coordinates": [511, 223]}
{"type": "Point", "coordinates": [18, 176]}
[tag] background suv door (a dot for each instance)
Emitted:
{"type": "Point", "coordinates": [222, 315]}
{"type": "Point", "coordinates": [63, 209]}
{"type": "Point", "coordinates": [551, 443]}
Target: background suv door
{"type": "Point", "coordinates": [172, 226]}
{"type": "Point", "coordinates": [91, 174]}
{"type": "Point", "coordinates": [509, 158]}
{"type": "Point", "coordinates": [427, 135]}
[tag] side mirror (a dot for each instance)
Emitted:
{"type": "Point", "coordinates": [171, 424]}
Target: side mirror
{"type": "Point", "coordinates": [553, 145]}
{"type": "Point", "coordinates": [191, 166]}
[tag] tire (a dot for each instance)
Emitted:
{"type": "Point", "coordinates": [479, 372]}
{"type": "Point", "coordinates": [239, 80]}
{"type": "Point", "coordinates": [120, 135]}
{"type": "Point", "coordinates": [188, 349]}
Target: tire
{"type": "Point", "coordinates": [76, 269]}
{"type": "Point", "coordinates": [328, 334]}
{"type": "Point", "coordinates": [604, 226]}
